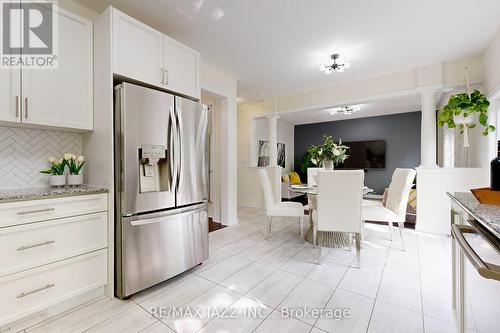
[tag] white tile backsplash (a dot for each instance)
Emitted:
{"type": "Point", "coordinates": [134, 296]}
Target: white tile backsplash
{"type": "Point", "coordinates": [24, 152]}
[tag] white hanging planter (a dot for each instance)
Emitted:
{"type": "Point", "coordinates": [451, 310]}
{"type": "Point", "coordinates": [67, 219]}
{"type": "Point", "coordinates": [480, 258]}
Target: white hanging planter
{"type": "Point", "coordinates": [461, 120]}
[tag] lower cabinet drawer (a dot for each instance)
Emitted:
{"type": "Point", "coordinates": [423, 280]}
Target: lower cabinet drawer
{"type": "Point", "coordinates": [22, 212]}
{"type": "Point", "coordinates": [30, 245]}
{"type": "Point", "coordinates": [28, 292]}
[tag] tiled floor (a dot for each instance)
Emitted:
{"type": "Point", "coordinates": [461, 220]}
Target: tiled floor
{"type": "Point", "coordinates": [262, 283]}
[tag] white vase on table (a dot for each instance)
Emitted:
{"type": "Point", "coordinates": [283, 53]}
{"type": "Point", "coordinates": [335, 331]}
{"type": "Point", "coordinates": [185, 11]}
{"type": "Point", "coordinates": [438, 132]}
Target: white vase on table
{"type": "Point", "coordinates": [328, 165]}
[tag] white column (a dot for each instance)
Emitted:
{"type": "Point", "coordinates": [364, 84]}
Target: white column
{"type": "Point", "coordinates": [428, 129]}
{"type": "Point", "coordinates": [448, 147]}
{"type": "Point", "coordinates": [273, 168]}
{"type": "Point", "coordinates": [273, 139]}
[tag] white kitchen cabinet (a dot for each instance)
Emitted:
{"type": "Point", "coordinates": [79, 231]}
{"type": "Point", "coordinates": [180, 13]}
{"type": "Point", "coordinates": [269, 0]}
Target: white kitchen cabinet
{"type": "Point", "coordinates": [10, 94]}
{"type": "Point", "coordinates": [144, 54]}
{"type": "Point", "coordinates": [181, 68]}
{"type": "Point", "coordinates": [137, 50]}
{"type": "Point", "coordinates": [63, 97]}
{"type": "Point", "coordinates": [54, 256]}
{"type": "Point", "coordinates": [28, 292]}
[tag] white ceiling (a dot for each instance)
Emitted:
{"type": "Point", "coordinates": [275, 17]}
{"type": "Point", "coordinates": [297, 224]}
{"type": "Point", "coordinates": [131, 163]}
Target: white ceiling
{"type": "Point", "coordinates": [394, 105]}
{"type": "Point", "coordinates": [274, 47]}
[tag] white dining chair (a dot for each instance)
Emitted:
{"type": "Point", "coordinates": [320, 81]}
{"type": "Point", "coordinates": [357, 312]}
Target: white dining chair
{"type": "Point", "coordinates": [339, 202]}
{"type": "Point", "coordinates": [312, 176]}
{"type": "Point", "coordinates": [394, 210]}
{"type": "Point", "coordinates": [274, 208]}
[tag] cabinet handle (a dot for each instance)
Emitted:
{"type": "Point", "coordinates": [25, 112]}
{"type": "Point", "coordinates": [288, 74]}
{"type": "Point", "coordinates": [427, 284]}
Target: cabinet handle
{"type": "Point", "coordinates": [21, 295]}
{"type": "Point", "coordinates": [17, 106]}
{"type": "Point", "coordinates": [35, 211]}
{"type": "Point", "coordinates": [22, 248]}
{"type": "Point", "coordinates": [26, 107]}
{"type": "Point", "coordinates": [166, 77]}
{"type": "Point", "coordinates": [162, 75]}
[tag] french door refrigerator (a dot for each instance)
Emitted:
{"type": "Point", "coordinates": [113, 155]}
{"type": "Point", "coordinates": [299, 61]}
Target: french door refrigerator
{"type": "Point", "coordinates": [161, 191]}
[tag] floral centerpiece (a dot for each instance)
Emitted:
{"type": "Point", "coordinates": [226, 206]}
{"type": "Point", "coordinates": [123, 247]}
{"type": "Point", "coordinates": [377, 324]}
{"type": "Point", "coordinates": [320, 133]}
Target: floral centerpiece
{"type": "Point", "coordinates": [56, 171]}
{"type": "Point", "coordinates": [329, 153]}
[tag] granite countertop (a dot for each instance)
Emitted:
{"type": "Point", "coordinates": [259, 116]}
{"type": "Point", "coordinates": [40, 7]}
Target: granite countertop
{"type": "Point", "coordinates": [488, 215]}
{"type": "Point", "coordinates": [48, 192]}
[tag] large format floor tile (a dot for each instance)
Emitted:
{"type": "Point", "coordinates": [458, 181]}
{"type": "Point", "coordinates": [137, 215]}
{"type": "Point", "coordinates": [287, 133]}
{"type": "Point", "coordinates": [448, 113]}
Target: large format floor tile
{"type": "Point", "coordinates": [86, 317]}
{"type": "Point", "coordinates": [178, 294]}
{"type": "Point", "coordinates": [401, 292]}
{"type": "Point", "coordinates": [273, 289]}
{"type": "Point", "coordinates": [392, 291]}
{"type": "Point", "coordinates": [308, 295]}
{"type": "Point", "coordinates": [328, 272]}
{"type": "Point", "coordinates": [246, 315]}
{"type": "Point", "coordinates": [224, 269]}
{"type": "Point", "coordinates": [247, 278]}
{"type": "Point", "coordinates": [362, 281]}
{"type": "Point", "coordinates": [211, 303]}
{"type": "Point", "coordinates": [277, 257]}
{"type": "Point", "coordinates": [134, 319]}
{"type": "Point", "coordinates": [391, 319]}
{"type": "Point", "coordinates": [354, 321]}
{"type": "Point", "coordinates": [277, 323]}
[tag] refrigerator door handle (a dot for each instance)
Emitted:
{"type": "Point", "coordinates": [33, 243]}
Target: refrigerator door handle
{"type": "Point", "coordinates": [172, 150]}
{"type": "Point", "coordinates": [179, 148]}
{"type": "Point", "coordinates": [175, 215]}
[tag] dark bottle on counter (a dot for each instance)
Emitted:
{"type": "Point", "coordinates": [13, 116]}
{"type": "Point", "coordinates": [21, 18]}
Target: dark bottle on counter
{"type": "Point", "coordinates": [495, 171]}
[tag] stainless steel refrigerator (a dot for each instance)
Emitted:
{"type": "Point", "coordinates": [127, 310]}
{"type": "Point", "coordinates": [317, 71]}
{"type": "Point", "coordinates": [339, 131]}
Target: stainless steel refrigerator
{"type": "Point", "coordinates": [161, 186]}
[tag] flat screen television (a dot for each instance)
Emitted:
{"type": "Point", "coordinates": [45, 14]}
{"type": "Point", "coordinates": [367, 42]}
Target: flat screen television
{"type": "Point", "coordinates": [365, 155]}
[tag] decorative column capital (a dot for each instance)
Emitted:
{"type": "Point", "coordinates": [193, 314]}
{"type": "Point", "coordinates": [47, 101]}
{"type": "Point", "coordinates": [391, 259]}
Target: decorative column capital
{"type": "Point", "coordinates": [273, 115]}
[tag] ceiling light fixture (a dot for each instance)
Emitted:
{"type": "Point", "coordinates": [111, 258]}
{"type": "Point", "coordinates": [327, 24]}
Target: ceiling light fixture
{"type": "Point", "coordinates": [347, 110]}
{"type": "Point", "coordinates": [334, 64]}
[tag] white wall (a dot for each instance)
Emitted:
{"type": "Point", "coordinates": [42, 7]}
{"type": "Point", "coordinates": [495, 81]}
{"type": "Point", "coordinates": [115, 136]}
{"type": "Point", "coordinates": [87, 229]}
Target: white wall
{"type": "Point", "coordinates": [433, 208]}
{"type": "Point", "coordinates": [78, 9]}
{"type": "Point", "coordinates": [214, 131]}
{"type": "Point", "coordinates": [225, 87]}
{"type": "Point", "coordinates": [492, 64]}
{"type": "Point", "coordinates": [285, 135]}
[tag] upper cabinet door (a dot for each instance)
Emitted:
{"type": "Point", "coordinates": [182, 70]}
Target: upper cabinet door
{"type": "Point", "coordinates": [137, 50]}
{"type": "Point", "coordinates": [10, 95]}
{"type": "Point", "coordinates": [63, 97]}
{"type": "Point", "coordinates": [182, 67]}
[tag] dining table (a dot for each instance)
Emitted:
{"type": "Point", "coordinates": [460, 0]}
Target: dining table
{"type": "Point", "coordinates": [324, 238]}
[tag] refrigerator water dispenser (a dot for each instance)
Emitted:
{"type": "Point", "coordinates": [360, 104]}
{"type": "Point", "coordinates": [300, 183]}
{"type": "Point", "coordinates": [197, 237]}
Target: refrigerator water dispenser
{"type": "Point", "coordinates": [153, 169]}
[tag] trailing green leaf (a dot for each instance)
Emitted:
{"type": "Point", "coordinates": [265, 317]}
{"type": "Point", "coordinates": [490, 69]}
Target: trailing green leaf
{"type": "Point", "coordinates": [465, 105]}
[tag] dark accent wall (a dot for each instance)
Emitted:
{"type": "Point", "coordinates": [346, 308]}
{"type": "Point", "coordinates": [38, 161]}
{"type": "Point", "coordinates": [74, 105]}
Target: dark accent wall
{"type": "Point", "coordinates": [400, 131]}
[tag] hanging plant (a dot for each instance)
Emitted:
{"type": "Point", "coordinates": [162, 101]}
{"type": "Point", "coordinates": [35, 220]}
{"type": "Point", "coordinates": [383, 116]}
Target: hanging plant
{"type": "Point", "coordinates": [462, 109]}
